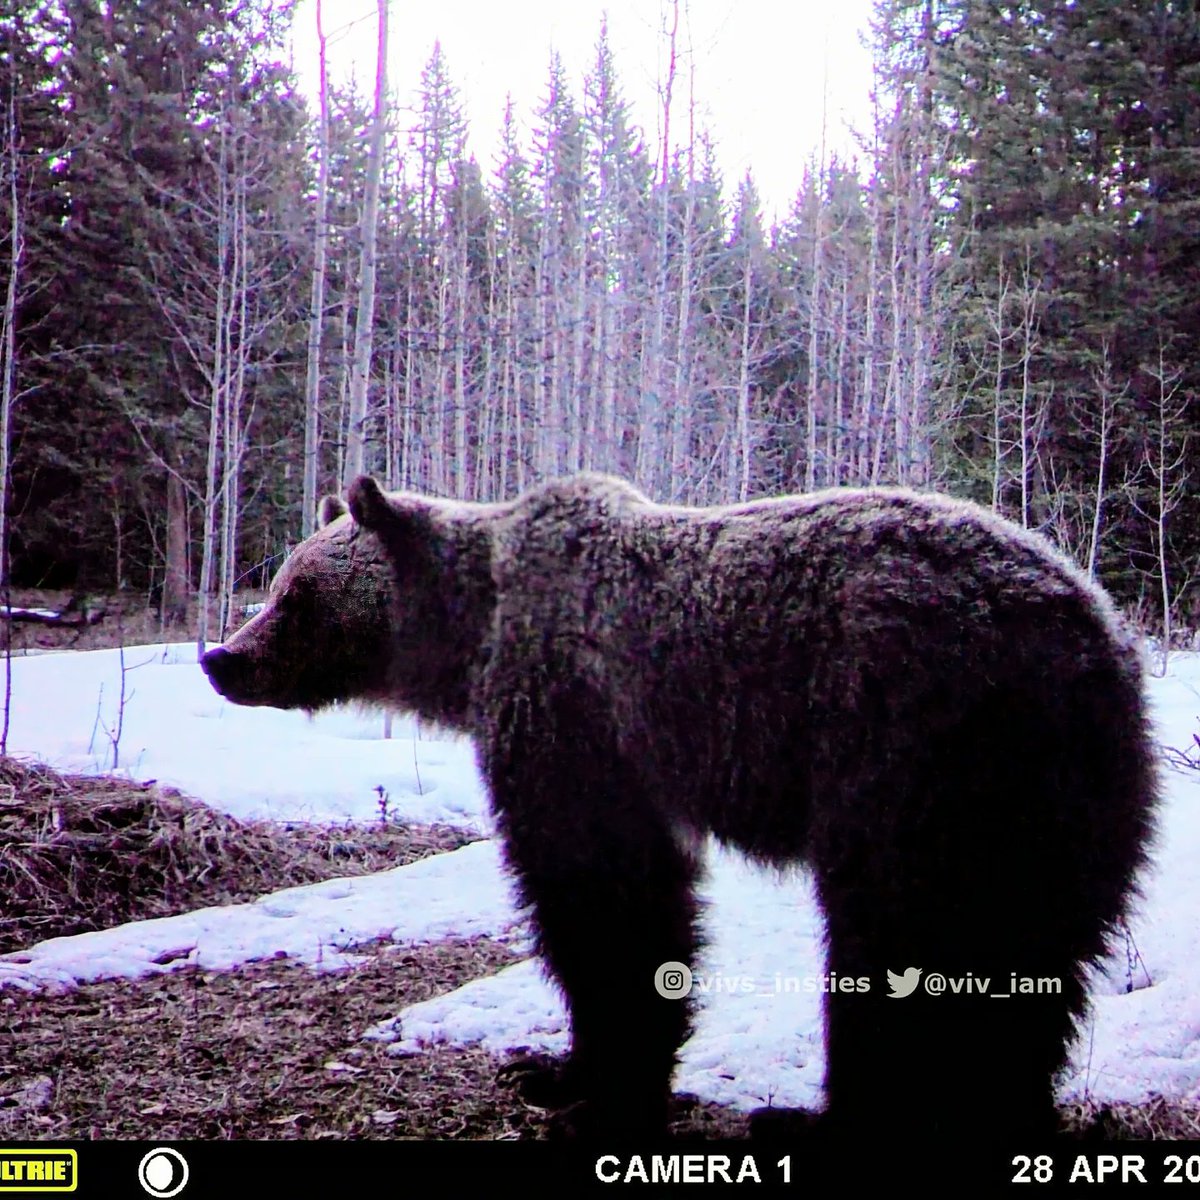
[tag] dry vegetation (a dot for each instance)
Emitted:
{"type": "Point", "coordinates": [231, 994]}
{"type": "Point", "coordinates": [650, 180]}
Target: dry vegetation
{"type": "Point", "coordinates": [84, 852]}
{"type": "Point", "coordinates": [272, 1049]}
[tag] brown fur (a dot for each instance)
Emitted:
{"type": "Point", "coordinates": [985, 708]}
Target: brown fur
{"type": "Point", "coordinates": [930, 707]}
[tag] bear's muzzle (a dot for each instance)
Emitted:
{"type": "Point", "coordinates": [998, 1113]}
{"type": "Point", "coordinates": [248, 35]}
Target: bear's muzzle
{"type": "Point", "coordinates": [222, 668]}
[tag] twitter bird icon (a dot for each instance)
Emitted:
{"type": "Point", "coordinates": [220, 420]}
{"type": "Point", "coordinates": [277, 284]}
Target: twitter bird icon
{"type": "Point", "coordinates": [903, 985]}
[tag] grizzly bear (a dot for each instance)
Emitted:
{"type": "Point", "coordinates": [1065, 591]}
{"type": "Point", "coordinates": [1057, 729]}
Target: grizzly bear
{"type": "Point", "coordinates": [930, 708]}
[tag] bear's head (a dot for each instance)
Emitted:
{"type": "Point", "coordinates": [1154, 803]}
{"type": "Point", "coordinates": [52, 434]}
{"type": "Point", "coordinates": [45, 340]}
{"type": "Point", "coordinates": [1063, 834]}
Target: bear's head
{"type": "Point", "coordinates": [387, 603]}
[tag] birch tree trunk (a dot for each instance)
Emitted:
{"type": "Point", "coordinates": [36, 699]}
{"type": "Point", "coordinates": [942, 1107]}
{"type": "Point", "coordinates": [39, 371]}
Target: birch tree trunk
{"type": "Point", "coordinates": [1167, 459]}
{"type": "Point", "coordinates": [237, 348]}
{"type": "Point", "coordinates": [743, 393]}
{"type": "Point", "coordinates": [1104, 385]}
{"type": "Point", "coordinates": [316, 315]}
{"type": "Point", "coordinates": [8, 365]}
{"type": "Point", "coordinates": [8, 344]}
{"type": "Point", "coordinates": [1029, 324]}
{"type": "Point", "coordinates": [814, 306]}
{"type": "Point", "coordinates": [681, 399]}
{"type": "Point", "coordinates": [460, 467]}
{"type": "Point", "coordinates": [365, 322]}
{"type": "Point", "coordinates": [999, 452]}
{"type": "Point", "coordinates": [865, 428]}
{"type": "Point", "coordinates": [217, 397]}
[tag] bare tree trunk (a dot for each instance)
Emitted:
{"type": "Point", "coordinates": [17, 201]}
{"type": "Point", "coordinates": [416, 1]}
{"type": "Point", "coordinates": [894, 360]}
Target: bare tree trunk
{"type": "Point", "coordinates": [838, 459]}
{"type": "Point", "coordinates": [237, 348]}
{"type": "Point", "coordinates": [743, 409]}
{"type": "Point", "coordinates": [543, 325]}
{"type": "Point", "coordinates": [8, 346]}
{"type": "Point", "coordinates": [1168, 463]}
{"type": "Point", "coordinates": [865, 426]}
{"type": "Point", "coordinates": [895, 394]}
{"type": "Point", "coordinates": [509, 368]}
{"type": "Point", "coordinates": [344, 372]}
{"type": "Point", "coordinates": [998, 449]}
{"type": "Point", "coordinates": [440, 467]}
{"type": "Point", "coordinates": [577, 394]}
{"type": "Point", "coordinates": [228, 333]}
{"type": "Point", "coordinates": [610, 337]}
{"type": "Point", "coordinates": [407, 474]}
{"type": "Point", "coordinates": [920, 231]}
{"type": "Point", "coordinates": [485, 441]}
{"type": "Point", "coordinates": [655, 463]}
{"type": "Point", "coordinates": [365, 324]}
{"type": "Point", "coordinates": [391, 409]}
{"type": "Point", "coordinates": [1098, 509]}
{"type": "Point", "coordinates": [316, 317]}
{"type": "Point", "coordinates": [1029, 326]}
{"type": "Point", "coordinates": [519, 434]}
{"type": "Point", "coordinates": [461, 464]}
{"type": "Point", "coordinates": [550, 434]}
{"type": "Point", "coordinates": [681, 400]}
{"type": "Point", "coordinates": [1104, 385]}
{"type": "Point", "coordinates": [217, 394]}
{"type": "Point", "coordinates": [814, 304]}
{"type": "Point", "coordinates": [8, 367]}
{"type": "Point", "coordinates": [177, 580]}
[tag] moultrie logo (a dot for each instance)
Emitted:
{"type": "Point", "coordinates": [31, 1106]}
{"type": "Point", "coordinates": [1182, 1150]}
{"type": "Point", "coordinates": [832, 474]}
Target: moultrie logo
{"type": "Point", "coordinates": [38, 1170]}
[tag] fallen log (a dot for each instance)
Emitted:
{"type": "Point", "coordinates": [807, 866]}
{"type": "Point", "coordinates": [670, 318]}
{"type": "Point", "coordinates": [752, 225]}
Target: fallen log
{"type": "Point", "coordinates": [62, 620]}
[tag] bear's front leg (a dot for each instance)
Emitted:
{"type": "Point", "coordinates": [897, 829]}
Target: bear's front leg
{"type": "Point", "coordinates": [611, 897]}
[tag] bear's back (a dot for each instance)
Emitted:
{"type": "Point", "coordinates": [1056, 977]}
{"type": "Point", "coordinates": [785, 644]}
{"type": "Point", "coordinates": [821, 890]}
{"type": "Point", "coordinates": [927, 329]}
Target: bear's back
{"type": "Point", "coordinates": [780, 646]}
{"type": "Point", "coordinates": [594, 554]}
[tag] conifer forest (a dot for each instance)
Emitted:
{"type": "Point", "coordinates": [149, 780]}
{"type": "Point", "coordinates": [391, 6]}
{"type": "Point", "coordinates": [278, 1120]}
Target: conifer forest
{"type": "Point", "coordinates": [223, 297]}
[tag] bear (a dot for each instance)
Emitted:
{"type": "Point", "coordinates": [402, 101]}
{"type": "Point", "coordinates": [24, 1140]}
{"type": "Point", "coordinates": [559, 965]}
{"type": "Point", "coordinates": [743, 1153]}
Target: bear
{"type": "Point", "coordinates": [928, 708]}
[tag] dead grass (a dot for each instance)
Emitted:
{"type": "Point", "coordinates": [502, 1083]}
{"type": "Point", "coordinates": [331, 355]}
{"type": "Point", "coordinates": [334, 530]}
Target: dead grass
{"type": "Point", "coordinates": [81, 852]}
{"type": "Point", "coordinates": [1157, 1120]}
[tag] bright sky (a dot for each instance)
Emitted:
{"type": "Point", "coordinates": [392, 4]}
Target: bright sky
{"type": "Point", "coordinates": [764, 70]}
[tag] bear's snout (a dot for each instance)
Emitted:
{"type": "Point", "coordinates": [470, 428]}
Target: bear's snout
{"type": "Point", "coordinates": [220, 665]}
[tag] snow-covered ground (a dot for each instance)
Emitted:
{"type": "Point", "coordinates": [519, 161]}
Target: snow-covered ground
{"type": "Point", "coordinates": [759, 1035]}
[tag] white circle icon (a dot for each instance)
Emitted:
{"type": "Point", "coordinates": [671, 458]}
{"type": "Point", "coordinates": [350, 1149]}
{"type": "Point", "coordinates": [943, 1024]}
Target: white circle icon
{"type": "Point", "coordinates": [163, 1173]}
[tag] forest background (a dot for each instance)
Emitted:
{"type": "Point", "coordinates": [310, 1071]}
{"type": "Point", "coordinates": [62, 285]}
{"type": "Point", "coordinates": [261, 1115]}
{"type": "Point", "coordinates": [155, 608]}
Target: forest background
{"type": "Point", "coordinates": [221, 300]}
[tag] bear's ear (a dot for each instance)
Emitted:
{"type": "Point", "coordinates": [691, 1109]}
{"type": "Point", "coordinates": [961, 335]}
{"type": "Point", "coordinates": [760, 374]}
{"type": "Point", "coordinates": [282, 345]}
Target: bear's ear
{"type": "Point", "coordinates": [368, 505]}
{"type": "Point", "coordinates": [331, 508]}
{"type": "Point", "coordinates": [403, 522]}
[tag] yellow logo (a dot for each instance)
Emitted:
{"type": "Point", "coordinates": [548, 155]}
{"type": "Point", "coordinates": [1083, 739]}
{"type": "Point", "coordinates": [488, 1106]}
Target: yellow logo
{"type": "Point", "coordinates": [38, 1170]}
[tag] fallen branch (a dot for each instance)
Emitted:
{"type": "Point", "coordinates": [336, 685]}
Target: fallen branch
{"type": "Point", "coordinates": [62, 620]}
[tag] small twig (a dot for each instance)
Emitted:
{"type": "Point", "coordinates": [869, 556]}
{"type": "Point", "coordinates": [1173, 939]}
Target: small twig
{"type": "Point", "coordinates": [116, 740]}
{"type": "Point", "coordinates": [96, 722]}
{"type": "Point", "coordinates": [1133, 959]}
{"type": "Point", "coordinates": [417, 769]}
{"type": "Point", "coordinates": [1186, 758]}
